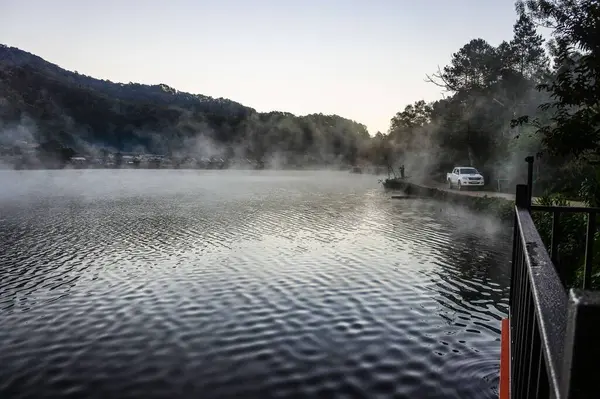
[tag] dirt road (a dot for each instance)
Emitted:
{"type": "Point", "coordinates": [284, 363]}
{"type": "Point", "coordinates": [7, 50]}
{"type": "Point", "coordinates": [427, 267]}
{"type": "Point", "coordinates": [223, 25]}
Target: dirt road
{"type": "Point", "coordinates": [472, 192]}
{"type": "Point", "coordinates": [477, 193]}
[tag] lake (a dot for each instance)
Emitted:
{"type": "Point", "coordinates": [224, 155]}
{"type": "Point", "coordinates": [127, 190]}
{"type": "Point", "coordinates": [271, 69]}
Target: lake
{"type": "Point", "coordinates": [231, 284]}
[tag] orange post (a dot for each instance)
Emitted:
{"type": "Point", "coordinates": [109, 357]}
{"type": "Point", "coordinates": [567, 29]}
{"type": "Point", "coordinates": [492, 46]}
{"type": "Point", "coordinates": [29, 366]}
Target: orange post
{"type": "Point", "coordinates": [505, 360]}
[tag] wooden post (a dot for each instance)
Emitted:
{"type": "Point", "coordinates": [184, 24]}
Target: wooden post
{"type": "Point", "coordinates": [522, 199]}
{"type": "Point", "coordinates": [529, 161]}
{"type": "Point", "coordinates": [581, 356]}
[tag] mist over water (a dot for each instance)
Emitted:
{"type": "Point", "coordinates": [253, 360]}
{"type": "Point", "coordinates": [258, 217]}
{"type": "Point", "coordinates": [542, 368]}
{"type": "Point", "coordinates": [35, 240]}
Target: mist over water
{"type": "Point", "coordinates": [223, 284]}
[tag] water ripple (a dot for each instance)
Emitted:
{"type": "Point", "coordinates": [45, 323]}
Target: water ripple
{"type": "Point", "coordinates": [243, 284]}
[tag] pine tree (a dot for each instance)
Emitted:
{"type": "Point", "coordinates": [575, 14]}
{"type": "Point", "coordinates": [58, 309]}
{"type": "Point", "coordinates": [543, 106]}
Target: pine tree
{"type": "Point", "coordinates": [528, 49]}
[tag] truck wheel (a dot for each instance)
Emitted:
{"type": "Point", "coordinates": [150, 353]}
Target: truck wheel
{"type": "Point", "coordinates": [459, 186]}
{"type": "Point", "coordinates": [450, 184]}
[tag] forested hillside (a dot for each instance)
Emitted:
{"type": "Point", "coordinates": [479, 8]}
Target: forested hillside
{"type": "Point", "coordinates": [84, 113]}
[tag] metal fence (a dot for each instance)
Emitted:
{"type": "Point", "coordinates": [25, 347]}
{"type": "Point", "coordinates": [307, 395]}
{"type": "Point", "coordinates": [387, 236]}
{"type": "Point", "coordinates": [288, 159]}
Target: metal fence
{"type": "Point", "coordinates": [554, 333]}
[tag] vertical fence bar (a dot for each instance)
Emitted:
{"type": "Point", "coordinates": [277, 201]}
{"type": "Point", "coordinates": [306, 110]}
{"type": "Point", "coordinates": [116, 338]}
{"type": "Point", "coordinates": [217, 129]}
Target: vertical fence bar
{"type": "Point", "coordinates": [543, 385]}
{"type": "Point", "coordinates": [518, 370]}
{"type": "Point", "coordinates": [589, 250]}
{"type": "Point", "coordinates": [515, 261]}
{"type": "Point", "coordinates": [555, 237]}
{"type": "Point", "coordinates": [534, 361]}
{"type": "Point", "coordinates": [554, 240]}
{"type": "Point", "coordinates": [515, 316]}
{"type": "Point", "coordinates": [524, 339]}
{"type": "Point", "coordinates": [518, 295]}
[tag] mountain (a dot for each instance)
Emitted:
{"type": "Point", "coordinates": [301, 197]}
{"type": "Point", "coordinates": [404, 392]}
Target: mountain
{"type": "Point", "coordinates": [41, 102]}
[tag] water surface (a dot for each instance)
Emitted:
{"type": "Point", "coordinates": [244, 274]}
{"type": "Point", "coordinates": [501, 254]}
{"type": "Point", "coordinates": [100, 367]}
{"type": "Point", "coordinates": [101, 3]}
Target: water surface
{"type": "Point", "coordinates": [230, 284]}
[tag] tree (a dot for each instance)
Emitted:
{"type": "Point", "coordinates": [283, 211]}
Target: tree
{"type": "Point", "coordinates": [471, 68]}
{"type": "Point", "coordinates": [408, 131]}
{"type": "Point", "coordinates": [414, 115]}
{"type": "Point", "coordinates": [527, 48]}
{"type": "Point", "coordinates": [575, 125]}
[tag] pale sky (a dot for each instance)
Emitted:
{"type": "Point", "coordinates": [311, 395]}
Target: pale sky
{"type": "Point", "coordinates": [363, 60]}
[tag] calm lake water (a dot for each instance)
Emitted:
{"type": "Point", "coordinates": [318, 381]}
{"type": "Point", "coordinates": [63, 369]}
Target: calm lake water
{"type": "Point", "coordinates": [230, 284]}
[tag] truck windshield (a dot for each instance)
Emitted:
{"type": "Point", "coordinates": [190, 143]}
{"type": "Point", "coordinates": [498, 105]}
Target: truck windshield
{"type": "Point", "coordinates": [468, 171]}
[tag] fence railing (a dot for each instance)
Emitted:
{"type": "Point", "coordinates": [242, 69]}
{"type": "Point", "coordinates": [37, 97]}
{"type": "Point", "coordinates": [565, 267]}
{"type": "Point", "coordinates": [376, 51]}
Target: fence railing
{"type": "Point", "coordinates": [554, 334]}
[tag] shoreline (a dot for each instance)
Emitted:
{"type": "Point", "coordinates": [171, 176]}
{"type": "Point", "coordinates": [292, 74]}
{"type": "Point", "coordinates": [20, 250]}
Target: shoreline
{"type": "Point", "coordinates": [498, 206]}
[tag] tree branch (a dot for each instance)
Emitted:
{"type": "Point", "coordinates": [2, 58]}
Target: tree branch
{"type": "Point", "coordinates": [435, 78]}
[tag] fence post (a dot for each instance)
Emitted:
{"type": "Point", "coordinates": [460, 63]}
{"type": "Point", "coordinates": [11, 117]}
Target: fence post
{"type": "Point", "coordinates": [522, 199]}
{"type": "Point", "coordinates": [589, 250]}
{"type": "Point", "coordinates": [529, 161]}
{"type": "Point", "coordinates": [581, 355]}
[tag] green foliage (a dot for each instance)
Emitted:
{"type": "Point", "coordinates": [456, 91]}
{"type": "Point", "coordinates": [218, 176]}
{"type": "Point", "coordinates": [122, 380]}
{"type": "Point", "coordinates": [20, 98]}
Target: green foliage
{"type": "Point", "coordinates": [527, 49]}
{"type": "Point", "coordinates": [574, 128]}
{"type": "Point", "coordinates": [414, 116]}
{"type": "Point", "coordinates": [590, 188]}
{"type": "Point", "coordinates": [407, 127]}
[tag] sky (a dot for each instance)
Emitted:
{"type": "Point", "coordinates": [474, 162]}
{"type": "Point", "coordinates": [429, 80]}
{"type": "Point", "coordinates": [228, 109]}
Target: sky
{"type": "Point", "coordinates": [363, 60]}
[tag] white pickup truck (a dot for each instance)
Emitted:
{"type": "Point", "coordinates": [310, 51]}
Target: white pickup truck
{"type": "Point", "coordinates": [464, 177]}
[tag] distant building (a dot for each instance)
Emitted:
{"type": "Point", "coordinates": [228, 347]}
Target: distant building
{"type": "Point", "coordinates": [78, 160]}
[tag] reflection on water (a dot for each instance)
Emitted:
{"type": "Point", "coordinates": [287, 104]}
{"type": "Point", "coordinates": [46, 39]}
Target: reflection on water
{"type": "Point", "coordinates": [243, 284]}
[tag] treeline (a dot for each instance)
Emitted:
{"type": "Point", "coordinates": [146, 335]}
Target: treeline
{"type": "Point", "coordinates": [549, 91]}
{"type": "Point", "coordinates": [87, 114]}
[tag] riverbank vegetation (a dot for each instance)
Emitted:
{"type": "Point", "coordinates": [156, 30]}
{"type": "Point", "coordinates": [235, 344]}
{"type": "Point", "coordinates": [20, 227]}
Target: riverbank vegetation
{"type": "Point", "coordinates": [497, 207]}
{"type": "Point", "coordinates": [525, 96]}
